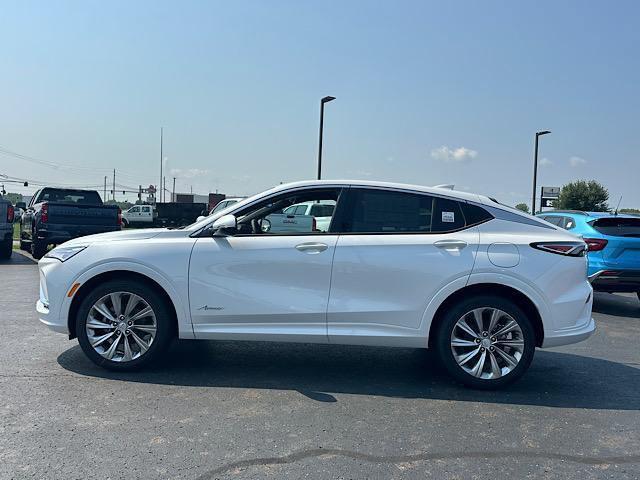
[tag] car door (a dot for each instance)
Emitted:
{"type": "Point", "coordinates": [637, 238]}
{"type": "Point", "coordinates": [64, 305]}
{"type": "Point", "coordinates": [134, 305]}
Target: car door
{"type": "Point", "coordinates": [255, 283]}
{"type": "Point", "coordinates": [146, 214]}
{"type": "Point", "coordinates": [396, 251]}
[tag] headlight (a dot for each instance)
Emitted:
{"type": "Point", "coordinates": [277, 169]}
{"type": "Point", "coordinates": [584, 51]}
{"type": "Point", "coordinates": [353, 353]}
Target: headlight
{"type": "Point", "coordinates": [65, 253]}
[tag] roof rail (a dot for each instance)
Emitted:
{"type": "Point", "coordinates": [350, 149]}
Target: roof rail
{"type": "Point", "coordinates": [579, 212]}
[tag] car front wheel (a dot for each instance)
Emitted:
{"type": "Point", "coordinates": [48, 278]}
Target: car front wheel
{"type": "Point", "coordinates": [485, 342]}
{"type": "Point", "coordinates": [124, 325]}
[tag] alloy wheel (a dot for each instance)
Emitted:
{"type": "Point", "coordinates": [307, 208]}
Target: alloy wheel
{"type": "Point", "coordinates": [121, 326]}
{"type": "Point", "coordinates": [487, 343]}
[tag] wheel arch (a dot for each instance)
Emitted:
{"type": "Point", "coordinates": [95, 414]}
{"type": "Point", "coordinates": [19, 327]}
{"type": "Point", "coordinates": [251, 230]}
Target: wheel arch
{"type": "Point", "coordinates": [516, 296]}
{"type": "Point", "coordinates": [89, 285]}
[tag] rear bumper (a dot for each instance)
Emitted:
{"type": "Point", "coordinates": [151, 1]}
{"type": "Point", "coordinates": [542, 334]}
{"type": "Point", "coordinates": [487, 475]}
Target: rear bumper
{"type": "Point", "coordinates": [63, 233]}
{"type": "Point", "coordinates": [573, 335]}
{"type": "Point", "coordinates": [616, 280]}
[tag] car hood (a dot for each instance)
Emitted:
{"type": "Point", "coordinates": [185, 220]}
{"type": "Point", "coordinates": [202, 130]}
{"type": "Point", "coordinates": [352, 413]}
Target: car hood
{"type": "Point", "coordinates": [142, 234]}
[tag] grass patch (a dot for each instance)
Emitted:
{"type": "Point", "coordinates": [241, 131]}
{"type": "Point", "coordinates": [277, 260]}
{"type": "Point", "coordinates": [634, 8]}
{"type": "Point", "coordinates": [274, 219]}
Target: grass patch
{"type": "Point", "coordinates": [16, 231]}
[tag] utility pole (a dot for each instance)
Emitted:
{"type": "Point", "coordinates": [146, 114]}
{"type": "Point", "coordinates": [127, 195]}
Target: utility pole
{"type": "Point", "coordinates": [104, 197]}
{"type": "Point", "coordinates": [114, 184]}
{"type": "Point", "coordinates": [161, 160]}
{"type": "Point", "coordinates": [140, 193]}
{"type": "Point", "coordinates": [173, 195]}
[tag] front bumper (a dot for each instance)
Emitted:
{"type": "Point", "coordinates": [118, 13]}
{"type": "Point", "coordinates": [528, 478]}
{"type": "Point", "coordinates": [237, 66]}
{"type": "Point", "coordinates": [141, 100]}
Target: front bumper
{"type": "Point", "coordinates": [54, 284]}
{"type": "Point", "coordinates": [45, 317]}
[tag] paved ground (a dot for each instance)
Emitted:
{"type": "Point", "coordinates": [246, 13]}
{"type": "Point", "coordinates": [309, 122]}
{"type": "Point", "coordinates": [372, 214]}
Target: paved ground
{"type": "Point", "coordinates": [243, 410]}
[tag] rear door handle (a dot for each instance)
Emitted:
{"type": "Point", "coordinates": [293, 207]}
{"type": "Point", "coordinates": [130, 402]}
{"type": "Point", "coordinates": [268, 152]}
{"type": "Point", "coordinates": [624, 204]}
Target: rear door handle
{"type": "Point", "coordinates": [451, 244]}
{"type": "Point", "coordinates": [312, 247]}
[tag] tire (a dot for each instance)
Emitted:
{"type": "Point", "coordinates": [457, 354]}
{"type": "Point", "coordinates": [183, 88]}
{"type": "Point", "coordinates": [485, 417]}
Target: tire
{"type": "Point", "coordinates": [25, 246]}
{"type": "Point", "coordinates": [6, 248]}
{"type": "Point", "coordinates": [157, 345]}
{"type": "Point", "coordinates": [125, 223]}
{"type": "Point", "coordinates": [458, 359]}
{"type": "Point", "coordinates": [38, 249]}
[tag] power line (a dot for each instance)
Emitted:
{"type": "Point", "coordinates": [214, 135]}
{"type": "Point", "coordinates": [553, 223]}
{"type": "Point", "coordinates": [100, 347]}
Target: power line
{"type": "Point", "coordinates": [58, 166]}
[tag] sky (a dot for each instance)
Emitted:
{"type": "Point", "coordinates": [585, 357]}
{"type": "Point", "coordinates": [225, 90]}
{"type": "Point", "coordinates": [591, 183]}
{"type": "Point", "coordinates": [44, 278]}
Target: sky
{"type": "Point", "coordinates": [426, 93]}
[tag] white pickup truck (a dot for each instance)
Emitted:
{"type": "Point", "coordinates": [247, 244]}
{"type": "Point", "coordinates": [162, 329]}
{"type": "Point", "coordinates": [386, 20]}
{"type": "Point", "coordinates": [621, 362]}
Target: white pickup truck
{"type": "Point", "coordinates": [305, 216]}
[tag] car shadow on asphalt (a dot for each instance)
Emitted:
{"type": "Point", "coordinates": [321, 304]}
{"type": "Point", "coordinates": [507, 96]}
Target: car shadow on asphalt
{"type": "Point", "coordinates": [616, 305]}
{"type": "Point", "coordinates": [320, 372]}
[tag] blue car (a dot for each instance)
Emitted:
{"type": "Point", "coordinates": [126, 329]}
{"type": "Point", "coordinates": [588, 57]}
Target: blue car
{"type": "Point", "coordinates": [614, 246]}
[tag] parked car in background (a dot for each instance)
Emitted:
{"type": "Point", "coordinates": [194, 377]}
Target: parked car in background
{"type": "Point", "coordinates": [174, 214]}
{"type": "Point", "coordinates": [227, 202]}
{"type": "Point", "coordinates": [399, 265]}
{"type": "Point", "coordinates": [613, 246]}
{"type": "Point", "coordinates": [6, 228]}
{"type": "Point", "coordinates": [55, 215]}
{"type": "Point", "coordinates": [302, 217]}
{"type": "Point", "coordinates": [18, 212]}
{"type": "Point", "coordinates": [320, 211]}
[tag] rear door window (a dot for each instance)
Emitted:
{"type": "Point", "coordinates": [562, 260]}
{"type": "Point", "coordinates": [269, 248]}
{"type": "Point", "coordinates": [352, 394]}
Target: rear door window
{"type": "Point", "coordinates": [386, 211]}
{"type": "Point", "coordinates": [555, 220]}
{"type": "Point", "coordinates": [447, 216]}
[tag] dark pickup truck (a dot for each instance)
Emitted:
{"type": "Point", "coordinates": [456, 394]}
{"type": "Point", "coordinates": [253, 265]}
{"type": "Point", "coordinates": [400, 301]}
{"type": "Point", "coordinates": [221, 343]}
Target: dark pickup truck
{"type": "Point", "coordinates": [56, 215]}
{"type": "Point", "coordinates": [6, 228]}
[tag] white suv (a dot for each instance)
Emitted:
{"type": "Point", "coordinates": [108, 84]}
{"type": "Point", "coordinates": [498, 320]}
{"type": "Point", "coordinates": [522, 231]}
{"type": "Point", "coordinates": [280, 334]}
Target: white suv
{"type": "Point", "coordinates": [400, 265]}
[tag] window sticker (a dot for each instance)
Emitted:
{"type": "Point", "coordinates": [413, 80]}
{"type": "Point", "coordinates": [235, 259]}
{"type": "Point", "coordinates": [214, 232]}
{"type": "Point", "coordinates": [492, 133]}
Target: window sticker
{"type": "Point", "coordinates": [448, 217]}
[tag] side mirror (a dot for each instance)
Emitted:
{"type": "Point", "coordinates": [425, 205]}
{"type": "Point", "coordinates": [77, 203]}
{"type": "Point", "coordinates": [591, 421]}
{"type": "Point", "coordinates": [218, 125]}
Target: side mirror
{"type": "Point", "coordinates": [225, 225]}
{"type": "Point", "coordinates": [200, 218]}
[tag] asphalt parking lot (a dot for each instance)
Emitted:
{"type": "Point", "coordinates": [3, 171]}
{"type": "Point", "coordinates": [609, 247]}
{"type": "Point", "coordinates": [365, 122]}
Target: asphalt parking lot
{"type": "Point", "coordinates": [258, 410]}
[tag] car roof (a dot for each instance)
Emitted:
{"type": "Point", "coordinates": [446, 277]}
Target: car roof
{"type": "Point", "coordinates": [586, 214]}
{"type": "Point", "coordinates": [402, 186]}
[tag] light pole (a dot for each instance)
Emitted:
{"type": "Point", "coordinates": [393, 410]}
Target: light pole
{"type": "Point", "coordinates": [535, 171]}
{"type": "Point", "coordinates": [322, 102]}
{"type": "Point", "coordinates": [161, 160]}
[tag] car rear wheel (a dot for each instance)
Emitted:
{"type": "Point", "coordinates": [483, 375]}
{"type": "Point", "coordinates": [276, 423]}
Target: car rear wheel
{"type": "Point", "coordinates": [38, 248]}
{"type": "Point", "coordinates": [124, 325]}
{"type": "Point", "coordinates": [485, 342]}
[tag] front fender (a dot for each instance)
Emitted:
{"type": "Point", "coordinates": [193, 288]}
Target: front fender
{"type": "Point", "coordinates": [178, 298]}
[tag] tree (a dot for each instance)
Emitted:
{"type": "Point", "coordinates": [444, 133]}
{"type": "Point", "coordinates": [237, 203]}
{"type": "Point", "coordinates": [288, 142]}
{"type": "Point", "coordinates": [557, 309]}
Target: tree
{"type": "Point", "coordinates": [523, 207]}
{"type": "Point", "coordinates": [13, 197]}
{"type": "Point", "coordinates": [583, 195]}
{"type": "Point", "coordinates": [632, 211]}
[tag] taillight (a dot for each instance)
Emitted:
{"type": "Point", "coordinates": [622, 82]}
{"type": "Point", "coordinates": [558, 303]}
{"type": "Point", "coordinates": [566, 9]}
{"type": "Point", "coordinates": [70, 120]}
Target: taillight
{"type": "Point", "coordinates": [10, 213]}
{"type": "Point", "coordinates": [119, 217]}
{"type": "Point", "coordinates": [596, 244]}
{"type": "Point", "coordinates": [44, 212]}
{"type": "Point", "coordinates": [570, 249]}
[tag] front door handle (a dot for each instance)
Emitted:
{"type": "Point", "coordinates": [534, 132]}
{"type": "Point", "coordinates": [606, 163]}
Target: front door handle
{"type": "Point", "coordinates": [312, 247]}
{"type": "Point", "coordinates": [451, 244]}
